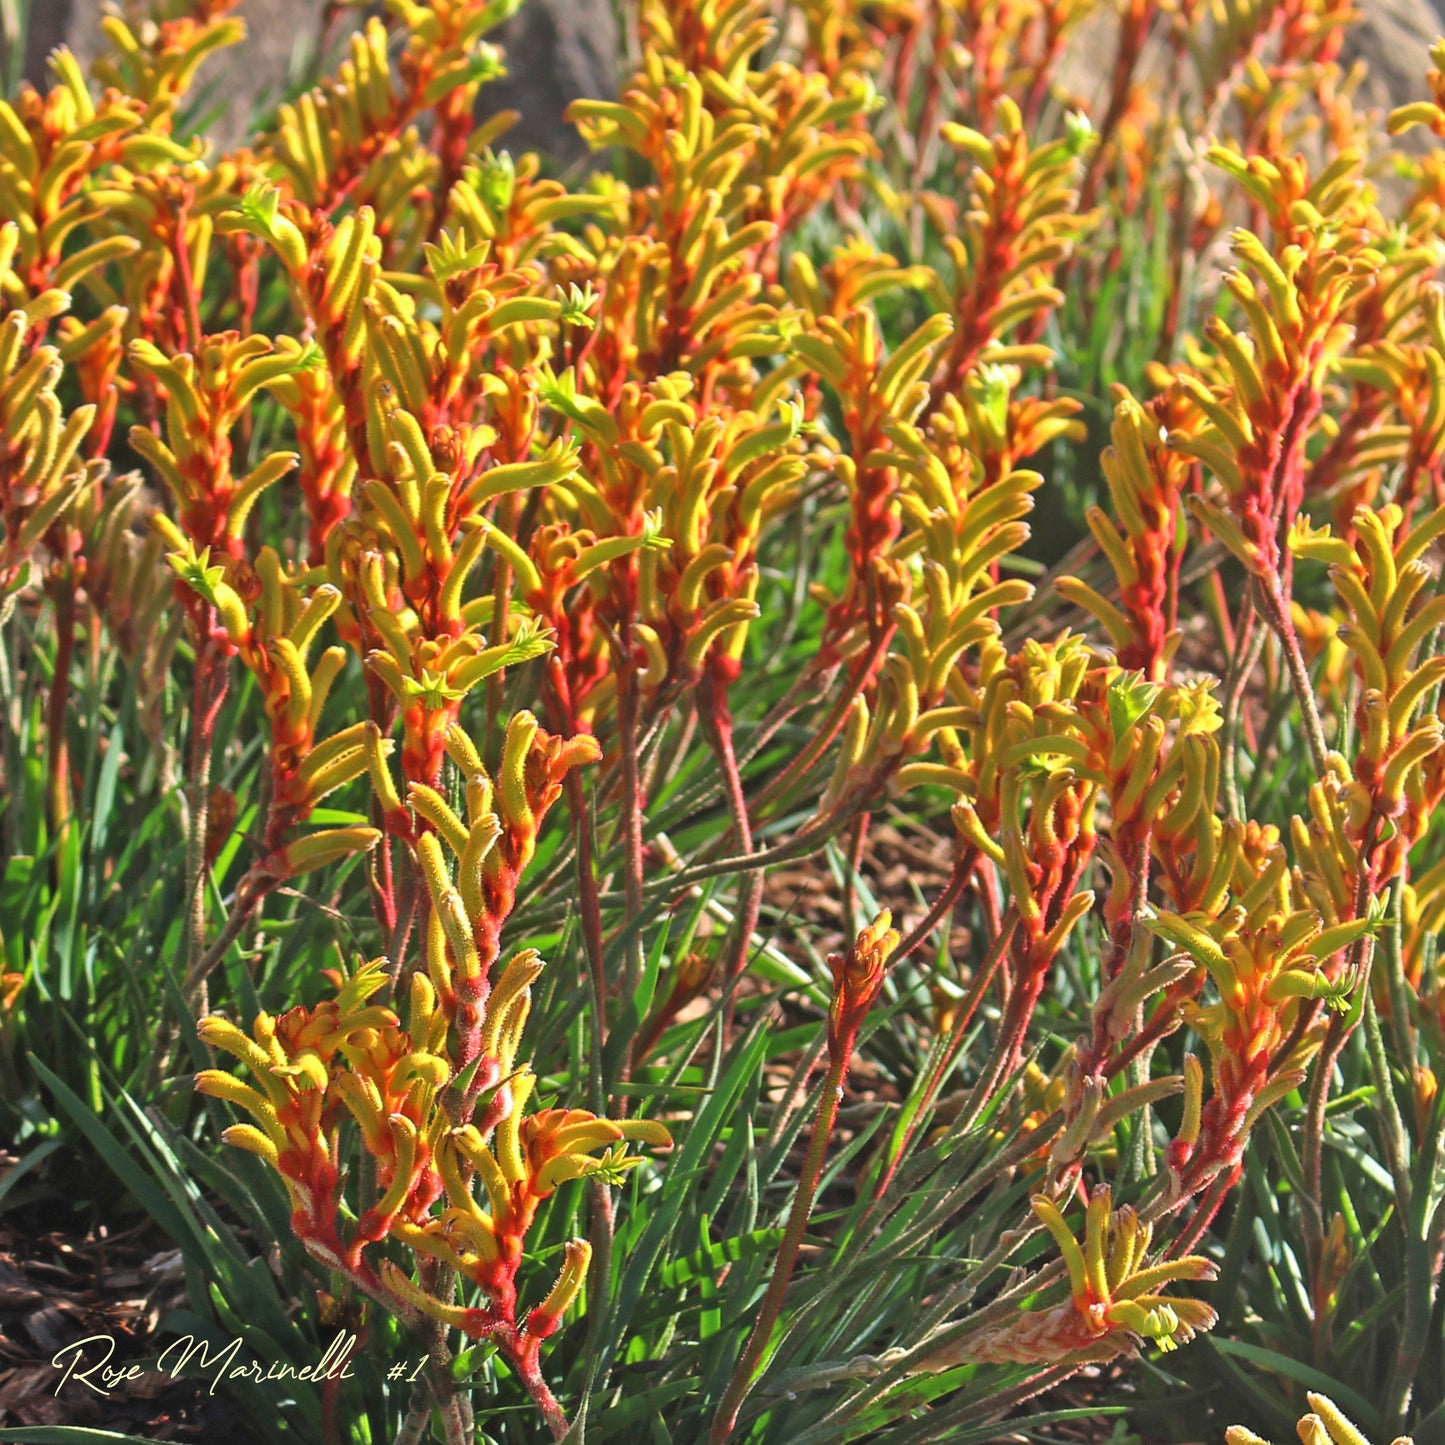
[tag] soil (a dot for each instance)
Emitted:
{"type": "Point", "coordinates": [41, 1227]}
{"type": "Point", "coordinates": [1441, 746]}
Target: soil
{"type": "Point", "coordinates": [58, 1288]}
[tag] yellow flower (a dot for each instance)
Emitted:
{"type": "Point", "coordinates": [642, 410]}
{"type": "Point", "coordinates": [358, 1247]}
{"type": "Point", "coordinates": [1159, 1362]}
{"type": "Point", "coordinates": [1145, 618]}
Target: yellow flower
{"type": "Point", "coordinates": [1325, 1425]}
{"type": "Point", "coordinates": [1115, 1298]}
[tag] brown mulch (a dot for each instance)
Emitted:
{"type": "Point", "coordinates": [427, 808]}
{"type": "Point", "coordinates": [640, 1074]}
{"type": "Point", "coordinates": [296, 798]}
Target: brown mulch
{"type": "Point", "coordinates": [898, 854]}
{"type": "Point", "coordinates": [61, 1287]}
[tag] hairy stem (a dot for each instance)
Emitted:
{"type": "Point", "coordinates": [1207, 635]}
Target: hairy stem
{"type": "Point", "coordinates": [631, 814]}
{"type": "Point", "coordinates": [963, 867]}
{"type": "Point", "coordinates": [541, 1393]}
{"type": "Point", "coordinates": [1361, 957]}
{"type": "Point", "coordinates": [1276, 611]}
{"type": "Point", "coordinates": [56, 706]}
{"type": "Point", "coordinates": [1249, 643]}
{"type": "Point", "coordinates": [209, 693]}
{"type": "Point", "coordinates": [248, 897]}
{"type": "Point", "coordinates": [717, 723]}
{"type": "Point", "coordinates": [787, 1258]}
{"type": "Point", "coordinates": [418, 1417]}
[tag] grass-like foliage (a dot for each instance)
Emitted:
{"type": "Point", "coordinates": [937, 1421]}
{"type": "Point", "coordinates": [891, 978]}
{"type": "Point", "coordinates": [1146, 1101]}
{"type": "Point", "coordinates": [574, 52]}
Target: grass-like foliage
{"type": "Point", "coordinates": [557, 817]}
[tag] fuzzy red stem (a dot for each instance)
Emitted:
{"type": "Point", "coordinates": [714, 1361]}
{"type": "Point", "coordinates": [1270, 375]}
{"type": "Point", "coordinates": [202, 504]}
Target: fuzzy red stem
{"type": "Point", "coordinates": [741, 1382]}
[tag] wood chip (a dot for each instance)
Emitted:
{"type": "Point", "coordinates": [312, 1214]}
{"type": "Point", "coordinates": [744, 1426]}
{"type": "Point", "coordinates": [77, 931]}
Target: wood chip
{"type": "Point", "coordinates": [47, 1327]}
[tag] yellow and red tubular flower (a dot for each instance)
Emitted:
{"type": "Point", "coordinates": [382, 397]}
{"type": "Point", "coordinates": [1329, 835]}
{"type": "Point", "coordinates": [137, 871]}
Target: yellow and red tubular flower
{"type": "Point", "coordinates": [94, 352]}
{"type": "Point", "coordinates": [48, 175]}
{"type": "Point", "coordinates": [1263, 958]}
{"type": "Point", "coordinates": [1326, 1424]}
{"type": "Point", "coordinates": [1146, 482]}
{"type": "Point", "coordinates": [1028, 779]}
{"type": "Point", "coordinates": [524, 1163]}
{"type": "Point", "coordinates": [579, 664]}
{"type": "Point", "coordinates": [1116, 1302]}
{"type": "Point", "coordinates": [875, 393]}
{"type": "Point", "coordinates": [40, 472]}
{"type": "Point", "coordinates": [327, 470]}
{"type": "Point", "coordinates": [1123, 722]}
{"type": "Point", "coordinates": [492, 851]}
{"type": "Point", "coordinates": [1112, 1289]}
{"type": "Point", "coordinates": [1430, 112]}
{"type": "Point", "coordinates": [1380, 580]}
{"type": "Point", "coordinates": [858, 978]}
{"type": "Point", "coordinates": [205, 397]}
{"type": "Point", "coordinates": [1019, 228]}
{"type": "Point", "coordinates": [313, 1068]}
{"type": "Point", "coordinates": [1046, 800]}
{"type": "Point", "coordinates": [543, 1321]}
{"type": "Point", "coordinates": [298, 1061]}
{"type": "Point", "coordinates": [1296, 297]}
{"type": "Point", "coordinates": [421, 534]}
{"type": "Point", "coordinates": [273, 634]}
